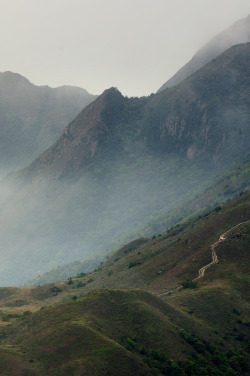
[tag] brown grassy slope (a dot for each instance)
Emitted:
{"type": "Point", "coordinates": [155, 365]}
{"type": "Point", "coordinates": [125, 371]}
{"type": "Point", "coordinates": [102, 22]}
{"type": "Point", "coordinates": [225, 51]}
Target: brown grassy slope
{"type": "Point", "coordinates": [156, 265]}
{"type": "Point", "coordinates": [162, 263]}
{"type": "Point", "coordinates": [222, 300]}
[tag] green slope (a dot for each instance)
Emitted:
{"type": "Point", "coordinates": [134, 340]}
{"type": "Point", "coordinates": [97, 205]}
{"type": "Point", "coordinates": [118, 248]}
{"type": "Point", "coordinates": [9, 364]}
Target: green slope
{"type": "Point", "coordinates": [116, 332]}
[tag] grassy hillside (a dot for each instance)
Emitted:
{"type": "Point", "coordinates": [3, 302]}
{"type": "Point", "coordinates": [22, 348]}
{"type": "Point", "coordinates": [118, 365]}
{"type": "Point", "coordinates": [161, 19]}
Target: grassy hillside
{"type": "Point", "coordinates": [156, 264]}
{"type": "Point", "coordinates": [176, 328]}
{"type": "Point", "coordinates": [111, 332]}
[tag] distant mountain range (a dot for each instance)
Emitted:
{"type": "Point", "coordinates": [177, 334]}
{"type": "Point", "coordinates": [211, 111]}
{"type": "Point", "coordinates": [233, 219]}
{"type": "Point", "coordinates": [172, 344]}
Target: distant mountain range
{"type": "Point", "coordinates": [121, 163]}
{"type": "Point", "coordinates": [236, 34]}
{"type": "Point", "coordinates": [33, 117]}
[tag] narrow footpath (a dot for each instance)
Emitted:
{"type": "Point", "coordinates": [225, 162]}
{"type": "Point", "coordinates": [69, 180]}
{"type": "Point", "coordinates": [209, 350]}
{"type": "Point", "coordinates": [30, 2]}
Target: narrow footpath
{"type": "Point", "coordinates": [202, 270]}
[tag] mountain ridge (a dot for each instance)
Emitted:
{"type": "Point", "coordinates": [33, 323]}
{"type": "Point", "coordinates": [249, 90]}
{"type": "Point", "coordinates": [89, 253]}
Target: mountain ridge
{"type": "Point", "coordinates": [189, 94]}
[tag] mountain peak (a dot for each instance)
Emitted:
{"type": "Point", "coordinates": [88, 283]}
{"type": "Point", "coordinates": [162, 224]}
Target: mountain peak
{"type": "Point", "coordinates": [111, 91]}
{"type": "Point", "coordinates": [14, 78]}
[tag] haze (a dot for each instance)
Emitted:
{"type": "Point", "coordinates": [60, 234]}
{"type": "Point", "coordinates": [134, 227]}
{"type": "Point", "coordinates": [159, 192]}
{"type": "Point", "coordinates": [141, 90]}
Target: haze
{"type": "Point", "coordinates": [135, 45]}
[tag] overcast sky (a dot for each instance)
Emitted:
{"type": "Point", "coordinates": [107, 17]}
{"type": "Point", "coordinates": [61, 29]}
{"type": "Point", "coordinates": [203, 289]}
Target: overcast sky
{"type": "Point", "coordinates": [135, 45]}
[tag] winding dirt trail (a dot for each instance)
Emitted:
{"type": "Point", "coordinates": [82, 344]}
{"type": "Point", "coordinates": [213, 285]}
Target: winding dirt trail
{"type": "Point", "coordinates": [202, 270]}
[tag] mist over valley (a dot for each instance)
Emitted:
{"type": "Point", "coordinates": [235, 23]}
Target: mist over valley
{"type": "Point", "coordinates": [124, 221]}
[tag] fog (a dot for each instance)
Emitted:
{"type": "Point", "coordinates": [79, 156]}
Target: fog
{"type": "Point", "coordinates": [49, 223]}
{"type": "Point", "coordinates": [135, 45]}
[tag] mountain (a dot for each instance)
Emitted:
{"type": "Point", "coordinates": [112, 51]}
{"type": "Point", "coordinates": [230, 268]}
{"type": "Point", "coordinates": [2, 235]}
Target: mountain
{"type": "Point", "coordinates": [122, 163]}
{"type": "Point", "coordinates": [238, 33]}
{"type": "Point", "coordinates": [178, 327]}
{"type": "Point", "coordinates": [33, 117]}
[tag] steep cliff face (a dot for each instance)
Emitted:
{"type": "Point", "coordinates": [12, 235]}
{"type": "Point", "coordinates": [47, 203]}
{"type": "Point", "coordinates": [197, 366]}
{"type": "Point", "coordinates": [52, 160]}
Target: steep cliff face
{"type": "Point", "coordinates": [96, 134]}
{"type": "Point", "coordinates": [236, 34]}
{"type": "Point", "coordinates": [209, 112]}
{"type": "Point", "coordinates": [78, 141]}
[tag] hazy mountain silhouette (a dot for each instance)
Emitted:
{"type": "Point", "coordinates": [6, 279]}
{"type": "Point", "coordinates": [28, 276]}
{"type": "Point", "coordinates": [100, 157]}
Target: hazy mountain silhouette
{"type": "Point", "coordinates": [33, 117]}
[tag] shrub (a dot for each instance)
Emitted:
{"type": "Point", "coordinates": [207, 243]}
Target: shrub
{"type": "Point", "coordinates": [133, 264]}
{"type": "Point", "coordinates": [188, 284]}
{"type": "Point", "coordinates": [56, 289]}
{"type": "Point", "coordinates": [80, 284]}
{"type": "Point", "coordinates": [79, 275]}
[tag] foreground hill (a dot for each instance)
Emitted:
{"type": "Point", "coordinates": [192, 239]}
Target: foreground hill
{"type": "Point", "coordinates": [203, 326]}
{"type": "Point", "coordinates": [33, 117]}
{"type": "Point", "coordinates": [121, 163]}
{"type": "Point", "coordinates": [238, 33]}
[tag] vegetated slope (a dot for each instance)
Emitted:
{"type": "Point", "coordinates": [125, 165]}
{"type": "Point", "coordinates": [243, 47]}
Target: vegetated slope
{"type": "Point", "coordinates": [121, 163]}
{"type": "Point", "coordinates": [238, 33]}
{"type": "Point", "coordinates": [229, 185]}
{"type": "Point", "coordinates": [161, 263]}
{"type": "Point", "coordinates": [108, 332]}
{"type": "Point", "coordinates": [33, 117]}
{"type": "Point", "coordinates": [205, 327]}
